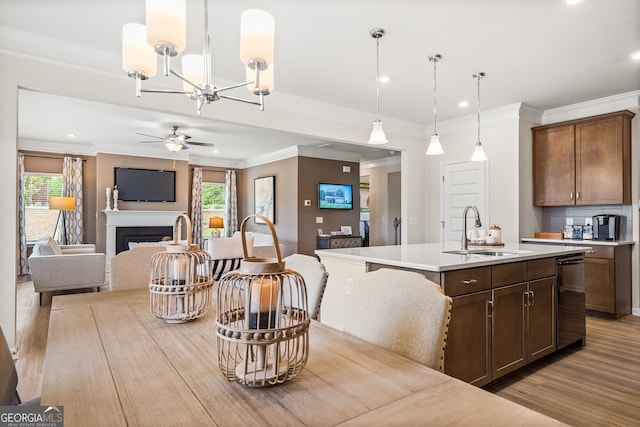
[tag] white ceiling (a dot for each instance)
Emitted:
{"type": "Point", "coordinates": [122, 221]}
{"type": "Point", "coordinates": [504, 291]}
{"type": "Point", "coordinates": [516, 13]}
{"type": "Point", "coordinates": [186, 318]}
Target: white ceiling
{"type": "Point", "coordinates": [543, 53]}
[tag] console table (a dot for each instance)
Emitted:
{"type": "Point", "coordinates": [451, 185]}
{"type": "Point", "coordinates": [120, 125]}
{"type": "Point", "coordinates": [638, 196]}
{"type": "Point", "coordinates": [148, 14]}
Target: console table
{"type": "Point", "coordinates": [337, 242]}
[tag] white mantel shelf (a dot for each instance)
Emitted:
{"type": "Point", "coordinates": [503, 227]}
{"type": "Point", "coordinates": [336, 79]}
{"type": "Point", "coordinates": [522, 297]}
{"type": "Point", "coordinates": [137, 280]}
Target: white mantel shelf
{"type": "Point", "coordinates": [134, 218]}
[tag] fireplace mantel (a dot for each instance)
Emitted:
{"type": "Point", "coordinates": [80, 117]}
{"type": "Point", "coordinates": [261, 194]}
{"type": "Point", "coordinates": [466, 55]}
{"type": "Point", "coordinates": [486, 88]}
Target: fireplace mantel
{"type": "Point", "coordinates": [134, 218]}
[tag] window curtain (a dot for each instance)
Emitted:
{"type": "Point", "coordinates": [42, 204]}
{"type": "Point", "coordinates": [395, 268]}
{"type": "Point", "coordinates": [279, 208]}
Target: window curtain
{"type": "Point", "coordinates": [196, 207]}
{"type": "Point", "coordinates": [73, 231]}
{"type": "Point", "coordinates": [231, 203]}
{"type": "Point", "coordinates": [22, 237]}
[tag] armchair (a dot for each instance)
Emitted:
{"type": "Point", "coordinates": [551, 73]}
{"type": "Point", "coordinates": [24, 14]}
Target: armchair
{"type": "Point", "coordinates": [62, 267]}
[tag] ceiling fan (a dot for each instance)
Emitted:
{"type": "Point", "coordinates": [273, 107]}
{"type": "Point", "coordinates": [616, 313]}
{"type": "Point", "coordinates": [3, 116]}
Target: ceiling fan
{"type": "Point", "coordinates": [175, 141]}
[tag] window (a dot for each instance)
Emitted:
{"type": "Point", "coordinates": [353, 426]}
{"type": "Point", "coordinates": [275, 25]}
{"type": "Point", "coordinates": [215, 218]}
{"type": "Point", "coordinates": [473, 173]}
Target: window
{"type": "Point", "coordinates": [39, 219]}
{"type": "Point", "coordinates": [213, 204]}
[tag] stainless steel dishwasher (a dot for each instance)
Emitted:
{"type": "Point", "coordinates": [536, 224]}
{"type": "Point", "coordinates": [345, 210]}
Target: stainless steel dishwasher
{"type": "Point", "coordinates": [570, 323]}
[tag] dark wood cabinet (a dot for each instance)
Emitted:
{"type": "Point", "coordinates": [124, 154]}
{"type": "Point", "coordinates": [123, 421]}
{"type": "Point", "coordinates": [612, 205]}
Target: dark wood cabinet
{"type": "Point", "coordinates": [502, 318]}
{"type": "Point", "coordinates": [608, 280]}
{"type": "Point", "coordinates": [583, 162]}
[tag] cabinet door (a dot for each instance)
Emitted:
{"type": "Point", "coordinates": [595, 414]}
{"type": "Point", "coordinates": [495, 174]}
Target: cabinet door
{"type": "Point", "coordinates": [541, 318]}
{"type": "Point", "coordinates": [508, 332]}
{"type": "Point", "coordinates": [554, 166]}
{"type": "Point", "coordinates": [467, 353]}
{"type": "Point", "coordinates": [600, 171]}
{"type": "Point", "coordinates": [599, 284]}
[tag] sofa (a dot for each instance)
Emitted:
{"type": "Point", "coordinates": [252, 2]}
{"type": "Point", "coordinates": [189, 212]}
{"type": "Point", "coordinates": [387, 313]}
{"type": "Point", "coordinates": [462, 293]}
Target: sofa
{"type": "Point", "coordinates": [263, 245]}
{"type": "Point", "coordinates": [57, 267]}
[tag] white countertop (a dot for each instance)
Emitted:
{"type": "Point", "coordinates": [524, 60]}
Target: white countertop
{"type": "Point", "coordinates": [579, 242]}
{"type": "Point", "coordinates": [430, 256]}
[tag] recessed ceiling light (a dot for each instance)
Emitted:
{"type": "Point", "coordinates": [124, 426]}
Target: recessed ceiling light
{"type": "Point", "coordinates": [463, 104]}
{"type": "Point", "coordinates": [71, 135]}
{"type": "Point", "coordinates": [385, 79]}
{"type": "Point", "coordinates": [635, 55]}
{"type": "Point", "coordinates": [215, 151]}
{"type": "Point", "coordinates": [571, 2]}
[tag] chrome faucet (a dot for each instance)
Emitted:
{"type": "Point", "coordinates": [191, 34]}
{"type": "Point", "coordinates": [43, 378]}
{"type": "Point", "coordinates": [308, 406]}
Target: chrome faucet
{"type": "Point", "coordinates": [465, 240]}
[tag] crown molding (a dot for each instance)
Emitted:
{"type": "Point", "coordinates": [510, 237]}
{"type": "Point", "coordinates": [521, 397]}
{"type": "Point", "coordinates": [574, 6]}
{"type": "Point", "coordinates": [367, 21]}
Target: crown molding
{"type": "Point", "coordinates": [622, 101]}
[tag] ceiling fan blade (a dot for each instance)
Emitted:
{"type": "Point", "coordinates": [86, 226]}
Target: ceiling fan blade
{"type": "Point", "coordinates": [203, 144]}
{"type": "Point", "coordinates": [150, 136]}
{"type": "Point", "coordinates": [147, 142]}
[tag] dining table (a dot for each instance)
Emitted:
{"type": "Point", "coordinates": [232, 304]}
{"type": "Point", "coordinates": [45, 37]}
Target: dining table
{"type": "Point", "coordinates": [110, 362]}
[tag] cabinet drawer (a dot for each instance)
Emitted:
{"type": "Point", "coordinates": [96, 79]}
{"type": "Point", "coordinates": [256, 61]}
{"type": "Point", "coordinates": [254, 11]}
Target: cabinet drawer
{"type": "Point", "coordinates": [508, 274]}
{"type": "Point", "coordinates": [600, 252]}
{"type": "Point", "coordinates": [539, 268]}
{"type": "Point", "coordinates": [460, 282]}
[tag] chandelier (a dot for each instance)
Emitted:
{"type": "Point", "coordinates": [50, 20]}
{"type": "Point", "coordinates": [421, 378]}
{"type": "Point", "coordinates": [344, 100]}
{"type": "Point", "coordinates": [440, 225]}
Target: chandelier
{"type": "Point", "coordinates": [435, 148]}
{"type": "Point", "coordinates": [165, 35]}
{"type": "Point", "coordinates": [478, 153]}
{"type": "Point", "coordinates": [377, 133]}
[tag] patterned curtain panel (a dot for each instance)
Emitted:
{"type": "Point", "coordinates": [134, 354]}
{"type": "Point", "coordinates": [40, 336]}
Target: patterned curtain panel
{"type": "Point", "coordinates": [231, 203]}
{"type": "Point", "coordinates": [196, 207]}
{"type": "Point", "coordinates": [22, 237]}
{"type": "Point", "coordinates": [72, 187]}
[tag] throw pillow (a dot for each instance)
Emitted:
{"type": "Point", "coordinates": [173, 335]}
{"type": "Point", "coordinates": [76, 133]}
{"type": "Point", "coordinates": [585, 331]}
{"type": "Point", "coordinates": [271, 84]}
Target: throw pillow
{"type": "Point", "coordinates": [47, 246]}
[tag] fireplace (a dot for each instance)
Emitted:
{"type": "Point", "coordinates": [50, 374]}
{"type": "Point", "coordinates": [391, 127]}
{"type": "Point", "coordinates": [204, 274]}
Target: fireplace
{"type": "Point", "coordinates": [126, 235]}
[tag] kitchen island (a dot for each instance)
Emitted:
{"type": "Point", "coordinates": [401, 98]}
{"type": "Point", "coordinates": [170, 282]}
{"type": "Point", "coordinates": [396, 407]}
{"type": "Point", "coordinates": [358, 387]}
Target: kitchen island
{"type": "Point", "coordinates": [504, 299]}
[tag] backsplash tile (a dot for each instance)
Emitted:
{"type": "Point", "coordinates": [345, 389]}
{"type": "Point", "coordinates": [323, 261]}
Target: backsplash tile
{"type": "Point", "coordinates": [554, 218]}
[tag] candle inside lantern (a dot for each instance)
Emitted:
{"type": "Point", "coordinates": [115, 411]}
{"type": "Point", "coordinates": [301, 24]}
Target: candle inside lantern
{"type": "Point", "coordinates": [264, 294]}
{"type": "Point", "coordinates": [178, 271]}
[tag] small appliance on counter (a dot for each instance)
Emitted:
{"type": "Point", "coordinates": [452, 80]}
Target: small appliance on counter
{"type": "Point", "coordinates": [606, 227]}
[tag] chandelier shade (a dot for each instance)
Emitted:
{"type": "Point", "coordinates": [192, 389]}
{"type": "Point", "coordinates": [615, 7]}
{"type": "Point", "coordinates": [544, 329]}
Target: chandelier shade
{"type": "Point", "coordinates": [166, 25]}
{"type": "Point", "coordinates": [435, 148]}
{"type": "Point", "coordinates": [137, 55]}
{"type": "Point", "coordinates": [192, 66]}
{"type": "Point", "coordinates": [257, 29]}
{"type": "Point", "coordinates": [377, 136]}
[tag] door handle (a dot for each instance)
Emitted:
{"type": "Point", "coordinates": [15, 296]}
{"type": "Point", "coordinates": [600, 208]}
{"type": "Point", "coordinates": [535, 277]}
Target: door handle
{"type": "Point", "coordinates": [532, 298]}
{"type": "Point", "coordinates": [470, 281]}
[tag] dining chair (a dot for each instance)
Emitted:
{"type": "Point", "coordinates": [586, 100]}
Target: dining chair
{"type": "Point", "coordinates": [401, 311]}
{"type": "Point", "coordinates": [9, 378]}
{"type": "Point", "coordinates": [315, 278]}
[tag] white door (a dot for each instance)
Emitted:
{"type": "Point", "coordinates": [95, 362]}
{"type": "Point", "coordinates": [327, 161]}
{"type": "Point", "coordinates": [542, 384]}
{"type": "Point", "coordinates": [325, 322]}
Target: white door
{"type": "Point", "coordinates": [462, 184]}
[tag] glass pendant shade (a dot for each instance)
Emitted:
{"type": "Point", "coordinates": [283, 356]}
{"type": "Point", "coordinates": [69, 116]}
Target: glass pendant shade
{"type": "Point", "coordinates": [137, 55]}
{"type": "Point", "coordinates": [478, 154]}
{"type": "Point", "coordinates": [266, 83]}
{"type": "Point", "coordinates": [257, 29]}
{"type": "Point", "coordinates": [174, 147]}
{"type": "Point", "coordinates": [377, 134]}
{"type": "Point", "coordinates": [435, 148]}
{"type": "Point", "coordinates": [192, 70]}
{"type": "Point", "coordinates": [166, 23]}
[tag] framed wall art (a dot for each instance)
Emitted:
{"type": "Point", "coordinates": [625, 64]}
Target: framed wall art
{"type": "Point", "coordinates": [264, 198]}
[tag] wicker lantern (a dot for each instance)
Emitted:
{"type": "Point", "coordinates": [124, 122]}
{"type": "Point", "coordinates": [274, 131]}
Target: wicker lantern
{"type": "Point", "coordinates": [262, 322]}
{"type": "Point", "coordinates": [181, 280]}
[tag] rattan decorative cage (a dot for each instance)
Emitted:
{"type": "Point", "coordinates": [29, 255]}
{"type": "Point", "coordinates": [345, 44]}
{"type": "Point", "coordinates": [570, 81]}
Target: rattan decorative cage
{"type": "Point", "coordinates": [262, 323]}
{"type": "Point", "coordinates": [181, 280]}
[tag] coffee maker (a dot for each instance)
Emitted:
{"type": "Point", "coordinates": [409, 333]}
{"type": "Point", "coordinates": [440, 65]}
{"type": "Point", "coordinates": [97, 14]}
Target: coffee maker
{"type": "Point", "coordinates": [606, 227]}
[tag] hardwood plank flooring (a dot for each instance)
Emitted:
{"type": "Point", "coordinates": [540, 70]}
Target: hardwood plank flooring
{"type": "Point", "coordinates": [594, 385]}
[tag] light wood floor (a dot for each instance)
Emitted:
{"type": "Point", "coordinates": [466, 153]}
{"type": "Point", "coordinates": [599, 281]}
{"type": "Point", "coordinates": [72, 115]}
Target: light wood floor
{"type": "Point", "coordinates": [594, 385]}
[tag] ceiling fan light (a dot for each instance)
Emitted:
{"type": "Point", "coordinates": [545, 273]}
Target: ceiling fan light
{"type": "Point", "coordinates": [478, 153]}
{"type": "Point", "coordinates": [137, 55]}
{"type": "Point", "coordinates": [377, 136]}
{"type": "Point", "coordinates": [435, 148]}
{"type": "Point", "coordinates": [257, 29]}
{"type": "Point", "coordinates": [192, 70]}
{"type": "Point", "coordinates": [166, 23]}
{"type": "Point", "coordinates": [173, 146]}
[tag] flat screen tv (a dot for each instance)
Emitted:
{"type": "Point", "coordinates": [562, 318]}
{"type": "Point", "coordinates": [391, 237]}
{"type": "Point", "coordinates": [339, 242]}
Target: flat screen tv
{"type": "Point", "coordinates": [335, 196]}
{"type": "Point", "coordinates": [145, 185]}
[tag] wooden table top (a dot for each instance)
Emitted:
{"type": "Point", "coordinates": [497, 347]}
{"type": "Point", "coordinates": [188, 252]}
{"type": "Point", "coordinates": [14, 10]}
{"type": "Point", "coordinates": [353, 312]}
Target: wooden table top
{"type": "Point", "coordinates": [110, 362]}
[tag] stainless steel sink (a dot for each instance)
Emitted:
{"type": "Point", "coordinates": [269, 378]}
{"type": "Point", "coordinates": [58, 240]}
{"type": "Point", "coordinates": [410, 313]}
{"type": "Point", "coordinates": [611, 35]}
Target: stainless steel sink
{"type": "Point", "coordinates": [485, 252]}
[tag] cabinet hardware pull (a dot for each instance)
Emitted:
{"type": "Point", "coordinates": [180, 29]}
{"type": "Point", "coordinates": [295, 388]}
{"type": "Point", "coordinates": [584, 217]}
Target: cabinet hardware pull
{"type": "Point", "coordinates": [590, 252]}
{"type": "Point", "coordinates": [571, 196]}
{"type": "Point", "coordinates": [490, 309]}
{"type": "Point", "coordinates": [470, 281]}
{"type": "Point", "coordinates": [577, 195]}
{"type": "Point", "coordinates": [525, 299]}
{"type": "Point", "coordinates": [532, 299]}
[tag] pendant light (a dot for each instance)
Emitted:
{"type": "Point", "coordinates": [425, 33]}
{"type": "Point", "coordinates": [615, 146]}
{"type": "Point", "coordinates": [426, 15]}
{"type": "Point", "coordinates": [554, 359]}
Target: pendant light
{"type": "Point", "coordinates": [435, 148]}
{"type": "Point", "coordinates": [377, 133]}
{"type": "Point", "coordinates": [478, 153]}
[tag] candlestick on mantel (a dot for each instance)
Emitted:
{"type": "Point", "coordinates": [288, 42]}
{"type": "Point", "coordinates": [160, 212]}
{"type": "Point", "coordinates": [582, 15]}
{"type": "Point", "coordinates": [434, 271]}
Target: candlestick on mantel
{"type": "Point", "coordinates": [115, 198]}
{"type": "Point", "coordinates": [108, 208]}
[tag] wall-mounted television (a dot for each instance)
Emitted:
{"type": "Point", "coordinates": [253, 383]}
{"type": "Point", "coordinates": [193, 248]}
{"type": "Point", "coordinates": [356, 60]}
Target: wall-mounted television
{"type": "Point", "coordinates": [145, 185]}
{"type": "Point", "coordinates": [335, 196]}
